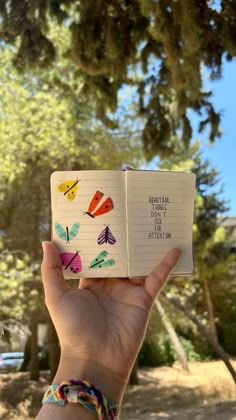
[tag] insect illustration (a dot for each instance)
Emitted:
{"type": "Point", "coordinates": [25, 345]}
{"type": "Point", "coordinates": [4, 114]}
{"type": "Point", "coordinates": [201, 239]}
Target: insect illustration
{"type": "Point", "coordinates": [71, 260]}
{"type": "Point", "coordinates": [67, 234]}
{"type": "Point", "coordinates": [105, 207]}
{"type": "Point", "coordinates": [69, 188]}
{"type": "Point", "coordinates": [100, 262]}
{"type": "Point", "coordinates": [106, 236]}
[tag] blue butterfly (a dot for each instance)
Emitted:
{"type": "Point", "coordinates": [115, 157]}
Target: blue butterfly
{"type": "Point", "coordinates": [100, 262]}
{"type": "Point", "coordinates": [67, 234]}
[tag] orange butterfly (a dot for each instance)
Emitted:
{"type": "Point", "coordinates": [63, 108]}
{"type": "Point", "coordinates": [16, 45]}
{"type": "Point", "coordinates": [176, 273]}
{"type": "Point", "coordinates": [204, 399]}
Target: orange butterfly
{"type": "Point", "coordinates": [105, 207]}
{"type": "Point", "coordinates": [69, 188]}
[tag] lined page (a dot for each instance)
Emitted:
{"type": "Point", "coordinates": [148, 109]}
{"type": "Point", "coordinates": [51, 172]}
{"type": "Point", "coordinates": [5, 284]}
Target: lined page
{"type": "Point", "coordinates": [71, 193]}
{"type": "Point", "coordinates": [160, 216]}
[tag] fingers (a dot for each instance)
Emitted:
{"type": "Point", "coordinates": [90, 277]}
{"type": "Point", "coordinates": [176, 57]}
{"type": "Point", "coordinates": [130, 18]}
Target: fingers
{"type": "Point", "coordinates": [53, 280]}
{"type": "Point", "coordinates": [155, 281]}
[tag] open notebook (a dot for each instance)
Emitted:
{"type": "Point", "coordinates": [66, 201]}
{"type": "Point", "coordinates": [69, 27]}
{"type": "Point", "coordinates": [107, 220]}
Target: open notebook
{"type": "Point", "coordinates": [121, 223]}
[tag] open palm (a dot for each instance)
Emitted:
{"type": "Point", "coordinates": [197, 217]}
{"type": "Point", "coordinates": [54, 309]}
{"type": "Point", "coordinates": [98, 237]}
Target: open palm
{"type": "Point", "coordinates": [104, 319]}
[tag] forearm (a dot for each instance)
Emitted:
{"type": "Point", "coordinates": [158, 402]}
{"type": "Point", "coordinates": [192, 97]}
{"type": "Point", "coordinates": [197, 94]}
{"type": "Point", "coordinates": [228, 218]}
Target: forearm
{"type": "Point", "coordinates": [110, 384]}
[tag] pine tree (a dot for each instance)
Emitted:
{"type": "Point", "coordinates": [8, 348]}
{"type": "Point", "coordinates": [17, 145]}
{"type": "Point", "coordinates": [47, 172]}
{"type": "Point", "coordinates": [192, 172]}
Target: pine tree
{"type": "Point", "coordinates": [169, 39]}
{"type": "Point", "coordinates": [206, 290]}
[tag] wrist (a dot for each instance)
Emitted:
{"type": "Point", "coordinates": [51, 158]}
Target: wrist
{"type": "Point", "coordinates": [111, 384]}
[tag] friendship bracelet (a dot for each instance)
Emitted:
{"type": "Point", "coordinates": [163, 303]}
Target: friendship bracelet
{"type": "Point", "coordinates": [82, 392]}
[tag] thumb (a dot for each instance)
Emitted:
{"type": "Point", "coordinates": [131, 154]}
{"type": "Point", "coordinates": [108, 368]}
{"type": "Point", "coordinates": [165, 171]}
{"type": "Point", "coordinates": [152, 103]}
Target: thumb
{"type": "Point", "coordinates": [156, 280]}
{"type": "Point", "coordinates": [52, 275]}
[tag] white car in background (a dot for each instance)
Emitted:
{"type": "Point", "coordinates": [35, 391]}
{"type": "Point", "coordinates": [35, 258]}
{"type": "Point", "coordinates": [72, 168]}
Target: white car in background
{"type": "Point", "coordinates": [10, 362]}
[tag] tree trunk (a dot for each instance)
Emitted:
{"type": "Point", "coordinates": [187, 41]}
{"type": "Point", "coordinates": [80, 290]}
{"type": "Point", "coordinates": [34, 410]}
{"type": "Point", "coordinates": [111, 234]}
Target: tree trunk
{"type": "Point", "coordinates": [54, 349]}
{"type": "Point", "coordinates": [173, 336]}
{"type": "Point", "coordinates": [203, 330]}
{"type": "Point", "coordinates": [34, 366]}
{"type": "Point", "coordinates": [26, 360]}
{"type": "Point", "coordinates": [210, 310]}
{"type": "Point", "coordinates": [133, 379]}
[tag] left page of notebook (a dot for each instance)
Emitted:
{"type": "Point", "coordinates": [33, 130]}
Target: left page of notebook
{"type": "Point", "coordinates": [89, 222]}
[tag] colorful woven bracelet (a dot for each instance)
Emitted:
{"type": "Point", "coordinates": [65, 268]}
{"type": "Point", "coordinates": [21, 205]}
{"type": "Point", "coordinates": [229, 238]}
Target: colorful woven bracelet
{"type": "Point", "coordinates": [84, 393]}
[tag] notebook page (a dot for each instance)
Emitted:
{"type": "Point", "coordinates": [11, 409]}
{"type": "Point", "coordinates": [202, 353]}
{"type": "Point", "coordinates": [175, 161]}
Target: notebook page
{"type": "Point", "coordinates": [160, 215]}
{"type": "Point", "coordinates": [77, 234]}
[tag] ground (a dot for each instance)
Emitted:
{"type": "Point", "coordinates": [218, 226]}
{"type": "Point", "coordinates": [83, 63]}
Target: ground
{"type": "Point", "coordinates": [207, 392]}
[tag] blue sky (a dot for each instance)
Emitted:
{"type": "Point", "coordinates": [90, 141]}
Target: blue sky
{"type": "Point", "coordinates": [222, 153]}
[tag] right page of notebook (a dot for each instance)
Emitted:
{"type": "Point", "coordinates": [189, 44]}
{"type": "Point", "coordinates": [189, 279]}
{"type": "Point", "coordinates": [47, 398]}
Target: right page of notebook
{"type": "Point", "coordinates": [160, 208]}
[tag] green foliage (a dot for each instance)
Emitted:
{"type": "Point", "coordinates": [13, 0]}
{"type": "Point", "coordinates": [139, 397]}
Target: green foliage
{"type": "Point", "coordinates": [201, 346]}
{"type": "Point", "coordinates": [169, 40]}
{"type": "Point", "coordinates": [42, 129]}
{"type": "Point", "coordinates": [189, 350]}
{"type": "Point", "coordinates": [211, 286]}
{"type": "Point", "coordinates": [226, 319]}
{"type": "Point", "coordinates": [20, 285]}
{"type": "Point", "coordinates": [157, 350]}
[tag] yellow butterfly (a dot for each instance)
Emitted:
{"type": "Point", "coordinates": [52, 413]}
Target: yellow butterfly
{"type": "Point", "coordinates": [69, 188]}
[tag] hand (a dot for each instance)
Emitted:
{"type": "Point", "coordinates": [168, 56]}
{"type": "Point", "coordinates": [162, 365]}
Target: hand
{"type": "Point", "coordinates": [100, 325]}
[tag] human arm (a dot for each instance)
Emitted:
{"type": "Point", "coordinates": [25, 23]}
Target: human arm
{"type": "Point", "coordinates": [101, 327]}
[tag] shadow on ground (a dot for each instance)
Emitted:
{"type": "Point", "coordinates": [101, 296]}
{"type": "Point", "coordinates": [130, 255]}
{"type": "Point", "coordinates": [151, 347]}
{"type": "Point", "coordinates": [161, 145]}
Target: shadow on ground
{"type": "Point", "coordinates": [164, 393]}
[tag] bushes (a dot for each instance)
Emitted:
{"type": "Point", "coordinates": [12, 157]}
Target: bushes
{"type": "Point", "coordinates": [157, 351]}
{"type": "Point", "coordinates": [226, 313]}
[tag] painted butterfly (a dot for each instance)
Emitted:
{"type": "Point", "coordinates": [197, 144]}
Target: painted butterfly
{"type": "Point", "coordinates": [105, 207]}
{"type": "Point", "coordinates": [67, 234]}
{"type": "Point", "coordinates": [106, 236]}
{"type": "Point", "coordinates": [69, 188]}
{"type": "Point", "coordinates": [72, 260]}
{"type": "Point", "coordinates": [99, 262]}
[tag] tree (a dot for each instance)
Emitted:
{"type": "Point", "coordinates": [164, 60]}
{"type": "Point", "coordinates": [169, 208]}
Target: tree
{"type": "Point", "coordinates": [20, 296]}
{"type": "Point", "coordinates": [213, 259]}
{"type": "Point", "coordinates": [172, 335]}
{"type": "Point", "coordinates": [169, 40]}
{"type": "Point", "coordinates": [209, 337]}
{"type": "Point", "coordinates": [42, 130]}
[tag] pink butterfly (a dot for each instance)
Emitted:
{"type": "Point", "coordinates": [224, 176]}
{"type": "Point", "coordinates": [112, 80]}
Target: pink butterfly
{"type": "Point", "coordinates": [72, 260]}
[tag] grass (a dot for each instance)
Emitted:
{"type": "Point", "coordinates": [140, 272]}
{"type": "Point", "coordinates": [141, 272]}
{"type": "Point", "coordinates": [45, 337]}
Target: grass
{"type": "Point", "coordinates": [208, 392]}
